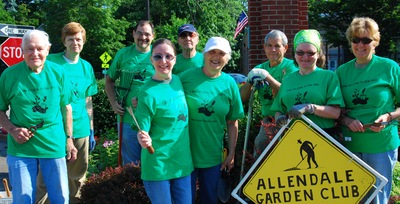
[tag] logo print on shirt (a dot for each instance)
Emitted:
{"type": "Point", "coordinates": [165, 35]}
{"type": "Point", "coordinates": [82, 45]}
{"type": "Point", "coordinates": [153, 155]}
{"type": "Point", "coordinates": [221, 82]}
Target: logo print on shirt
{"type": "Point", "coordinates": [38, 106]}
{"type": "Point", "coordinates": [207, 109]}
{"type": "Point", "coordinates": [359, 98]}
{"type": "Point", "coordinates": [75, 88]}
{"type": "Point", "coordinates": [140, 75]}
{"type": "Point", "coordinates": [300, 98]}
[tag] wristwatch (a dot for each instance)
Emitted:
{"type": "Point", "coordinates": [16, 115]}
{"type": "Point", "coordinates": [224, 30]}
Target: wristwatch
{"type": "Point", "coordinates": [72, 137]}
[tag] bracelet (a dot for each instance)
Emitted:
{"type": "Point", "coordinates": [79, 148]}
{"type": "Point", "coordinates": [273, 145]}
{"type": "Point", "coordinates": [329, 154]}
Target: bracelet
{"type": "Point", "coordinates": [390, 116]}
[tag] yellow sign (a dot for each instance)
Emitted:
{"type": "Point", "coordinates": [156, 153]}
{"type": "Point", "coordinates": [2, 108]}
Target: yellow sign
{"type": "Point", "coordinates": [105, 57]}
{"type": "Point", "coordinates": [305, 167]}
{"type": "Point", "coordinates": [105, 66]}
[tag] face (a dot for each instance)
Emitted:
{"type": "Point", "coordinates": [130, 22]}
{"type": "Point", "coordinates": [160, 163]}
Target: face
{"type": "Point", "coordinates": [163, 60]}
{"type": "Point", "coordinates": [143, 37]}
{"type": "Point", "coordinates": [309, 56]}
{"type": "Point", "coordinates": [215, 60]}
{"type": "Point", "coordinates": [35, 52]}
{"type": "Point", "coordinates": [275, 50]}
{"type": "Point", "coordinates": [74, 43]}
{"type": "Point", "coordinates": [188, 40]}
{"type": "Point", "coordinates": [361, 50]}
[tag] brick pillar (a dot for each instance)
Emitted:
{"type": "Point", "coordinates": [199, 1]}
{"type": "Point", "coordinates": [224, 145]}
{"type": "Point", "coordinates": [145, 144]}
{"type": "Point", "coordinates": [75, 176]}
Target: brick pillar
{"type": "Point", "coordinates": [289, 16]}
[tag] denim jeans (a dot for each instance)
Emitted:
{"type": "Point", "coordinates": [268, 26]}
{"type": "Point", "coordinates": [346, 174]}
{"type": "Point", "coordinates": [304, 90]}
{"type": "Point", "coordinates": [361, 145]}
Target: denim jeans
{"type": "Point", "coordinates": [208, 184]}
{"type": "Point", "coordinates": [176, 191]}
{"type": "Point", "coordinates": [383, 163]}
{"type": "Point", "coordinates": [23, 173]}
{"type": "Point", "coordinates": [131, 149]}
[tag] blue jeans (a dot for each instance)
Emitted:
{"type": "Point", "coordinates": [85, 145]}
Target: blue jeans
{"type": "Point", "coordinates": [208, 184]}
{"type": "Point", "coordinates": [23, 173]}
{"type": "Point", "coordinates": [131, 148]}
{"type": "Point", "coordinates": [383, 163]}
{"type": "Point", "coordinates": [175, 191]}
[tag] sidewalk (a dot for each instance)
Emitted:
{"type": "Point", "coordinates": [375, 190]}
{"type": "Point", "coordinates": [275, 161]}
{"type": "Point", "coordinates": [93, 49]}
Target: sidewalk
{"type": "Point", "coordinates": [3, 162]}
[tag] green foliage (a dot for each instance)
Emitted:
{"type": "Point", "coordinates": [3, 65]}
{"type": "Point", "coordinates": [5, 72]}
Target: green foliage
{"type": "Point", "coordinates": [120, 185]}
{"type": "Point", "coordinates": [5, 16]}
{"type": "Point", "coordinates": [334, 16]}
{"type": "Point", "coordinates": [104, 117]}
{"type": "Point", "coordinates": [396, 180]}
{"type": "Point", "coordinates": [105, 154]}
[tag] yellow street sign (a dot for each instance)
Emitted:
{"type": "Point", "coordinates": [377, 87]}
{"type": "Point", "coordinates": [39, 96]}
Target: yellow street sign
{"type": "Point", "coordinates": [105, 66]}
{"type": "Point", "coordinates": [305, 167]}
{"type": "Point", "coordinates": [105, 57]}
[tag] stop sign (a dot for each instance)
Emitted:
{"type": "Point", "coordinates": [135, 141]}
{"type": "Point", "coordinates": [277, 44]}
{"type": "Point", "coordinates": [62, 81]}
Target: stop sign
{"type": "Point", "coordinates": [11, 52]}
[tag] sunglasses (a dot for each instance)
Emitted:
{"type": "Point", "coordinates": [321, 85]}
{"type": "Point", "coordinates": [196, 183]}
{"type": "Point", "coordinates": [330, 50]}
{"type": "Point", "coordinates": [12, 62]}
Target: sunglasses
{"type": "Point", "coordinates": [302, 53]}
{"type": "Point", "coordinates": [160, 57]}
{"type": "Point", "coordinates": [364, 41]}
{"type": "Point", "coordinates": [186, 34]}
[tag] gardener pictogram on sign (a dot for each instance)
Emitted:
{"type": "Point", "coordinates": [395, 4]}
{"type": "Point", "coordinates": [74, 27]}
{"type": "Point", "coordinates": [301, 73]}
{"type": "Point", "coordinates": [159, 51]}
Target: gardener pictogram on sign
{"type": "Point", "coordinates": [307, 166]}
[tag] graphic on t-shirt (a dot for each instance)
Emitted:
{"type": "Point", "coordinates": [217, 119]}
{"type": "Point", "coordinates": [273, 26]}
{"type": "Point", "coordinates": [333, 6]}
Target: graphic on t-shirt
{"type": "Point", "coordinates": [308, 148]}
{"type": "Point", "coordinates": [267, 93]}
{"type": "Point", "coordinates": [300, 98]}
{"type": "Point", "coordinates": [182, 117]}
{"type": "Point", "coordinates": [74, 88]}
{"type": "Point", "coordinates": [359, 98]}
{"type": "Point", "coordinates": [39, 104]}
{"type": "Point", "coordinates": [207, 109]}
{"type": "Point", "coordinates": [140, 75]}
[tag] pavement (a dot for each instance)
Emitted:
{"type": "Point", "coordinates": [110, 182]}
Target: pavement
{"type": "Point", "coordinates": [3, 162]}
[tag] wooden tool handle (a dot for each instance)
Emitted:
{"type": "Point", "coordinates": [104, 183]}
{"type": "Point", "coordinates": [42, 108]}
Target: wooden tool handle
{"type": "Point", "coordinates": [5, 182]}
{"type": "Point", "coordinates": [150, 149]}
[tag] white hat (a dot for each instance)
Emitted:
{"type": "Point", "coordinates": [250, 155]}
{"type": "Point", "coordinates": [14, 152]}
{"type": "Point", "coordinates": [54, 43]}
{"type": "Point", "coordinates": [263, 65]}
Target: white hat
{"type": "Point", "coordinates": [218, 43]}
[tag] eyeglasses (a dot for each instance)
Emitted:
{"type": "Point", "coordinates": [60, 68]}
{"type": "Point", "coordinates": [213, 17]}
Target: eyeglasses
{"type": "Point", "coordinates": [160, 57]}
{"type": "Point", "coordinates": [364, 41]}
{"type": "Point", "coordinates": [302, 53]}
{"type": "Point", "coordinates": [186, 34]}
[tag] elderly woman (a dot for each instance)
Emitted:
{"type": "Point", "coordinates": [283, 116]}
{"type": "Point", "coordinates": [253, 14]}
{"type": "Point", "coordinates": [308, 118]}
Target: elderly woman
{"type": "Point", "coordinates": [370, 87]}
{"type": "Point", "coordinates": [214, 105]}
{"type": "Point", "coordinates": [311, 90]}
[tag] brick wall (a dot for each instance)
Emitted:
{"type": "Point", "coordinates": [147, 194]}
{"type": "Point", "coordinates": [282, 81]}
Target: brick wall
{"type": "Point", "coordinates": [289, 16]}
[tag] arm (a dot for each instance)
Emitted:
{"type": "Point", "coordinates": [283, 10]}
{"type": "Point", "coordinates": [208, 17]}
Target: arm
{"type": "Point", "coordinates": [20, 135]}
{"type": "Point", "coordinates": [327, 111]}
{"type": "Point", "coordinates": [232, 139]}
{"type": "Point", "coordinates": [89, 110]}
{"type": "Point", "coordinates": [71, 149]}
{"type": "Point", "coordinates": [111, 95]}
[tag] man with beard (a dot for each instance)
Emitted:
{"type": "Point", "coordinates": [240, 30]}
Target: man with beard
{"type": "Point", "coordinates": [272, 71]}
{"type": "Point", "coordinates": [131, 67]}
{"type": "Point", "coordinates": [188, 38]}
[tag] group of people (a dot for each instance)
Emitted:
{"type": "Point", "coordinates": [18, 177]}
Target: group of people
{"type": "Point", "coordinates": [357, 101]}
{"type": "Point", "coordinates": [50, 126]}
{"type": "Point", "coordinates": [184, 106]}
{"type": "Point", "coordinates": [173, 96]}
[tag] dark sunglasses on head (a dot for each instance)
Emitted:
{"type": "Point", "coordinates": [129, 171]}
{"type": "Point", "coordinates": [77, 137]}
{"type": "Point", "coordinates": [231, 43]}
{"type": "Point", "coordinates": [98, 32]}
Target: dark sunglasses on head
{"type": "Point", "coordinates": [160, 57]}
{"type": "Point", "coordinates": [186, 34]}
{"type": "Point", "coordinates": [364, 41]}
{"type": "Point", "coordinates": [302, 53]}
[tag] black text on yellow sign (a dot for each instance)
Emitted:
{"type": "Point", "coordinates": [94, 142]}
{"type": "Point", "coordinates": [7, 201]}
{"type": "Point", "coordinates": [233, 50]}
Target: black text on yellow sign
{"type": "Point", "coordinates": [305, 167]}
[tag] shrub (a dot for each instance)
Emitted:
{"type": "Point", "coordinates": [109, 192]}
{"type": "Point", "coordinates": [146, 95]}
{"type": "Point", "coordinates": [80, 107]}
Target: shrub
{"type": "Point", "coordinates": [104, 117]}
{"type": "Point", "coordinates": [115, 185]}
{"type": "Point", "coordinates": [105, 154]}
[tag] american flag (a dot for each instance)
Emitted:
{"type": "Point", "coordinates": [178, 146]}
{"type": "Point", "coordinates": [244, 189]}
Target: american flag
{"type": "Point", "coordinates": [242, 21]}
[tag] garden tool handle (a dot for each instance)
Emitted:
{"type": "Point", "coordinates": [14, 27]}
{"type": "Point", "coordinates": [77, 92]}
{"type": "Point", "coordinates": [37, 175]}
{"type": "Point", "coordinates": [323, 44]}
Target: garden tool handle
{"type": "Point", "coordinates": [150, 149]}
{"type": "Point", "coordinates": [5, 182]}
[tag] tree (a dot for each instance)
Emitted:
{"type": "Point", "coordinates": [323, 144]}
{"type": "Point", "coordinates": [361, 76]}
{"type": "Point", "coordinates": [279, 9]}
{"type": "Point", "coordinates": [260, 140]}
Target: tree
{"type": "Point", "coordinates": [334, 16]}
{"type": "Point", "coordinates": [104, 32]}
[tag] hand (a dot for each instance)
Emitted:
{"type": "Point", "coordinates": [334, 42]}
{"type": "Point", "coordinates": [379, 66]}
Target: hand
{"type": "Point", "coordinates": [144, 139]}
{"type": "Point", "coordinates": [72, 152]}
{"type": "Point", "coordinates": [117, 108]}
{"type": "Point", "coordinates": [257, 74]}
{"type": "Point", "coordinates": [134, 102]}
{"type": "Point", "coordinates": [281, 120]}
{"type": "Point", "coordinates": [298, 110]}
{"type": "Point", "coordinates": [92, 141]}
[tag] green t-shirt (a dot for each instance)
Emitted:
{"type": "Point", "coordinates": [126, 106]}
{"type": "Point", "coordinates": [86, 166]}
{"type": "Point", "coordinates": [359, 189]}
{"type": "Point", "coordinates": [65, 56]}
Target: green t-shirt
{"type": "Point", "coordinates": [33, 99]}
{"type": "Point", "coordinates": [320, 87]}
{"type": "Point", "coordinates": [368, 93]}
{"type": "Point", "coordinates": [162, 111]}
{"type": "Point", "coordinates": [130, 68]}
{"type": "Point", "coordinates": [82, 84]}
{"type": "Point", "coordinates": [211, 102]}
{"type": "Point", "coordinates": [182, 64]}
{"type": "Point", "coordinates": [278, 72]}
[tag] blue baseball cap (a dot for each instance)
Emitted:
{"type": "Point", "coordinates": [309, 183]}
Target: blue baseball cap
{"type": "Point", "coordinates": [186, 28]}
